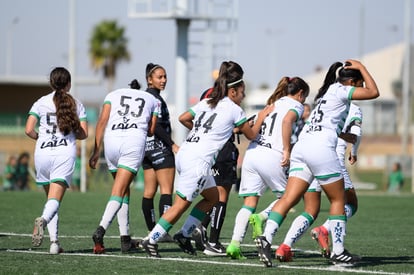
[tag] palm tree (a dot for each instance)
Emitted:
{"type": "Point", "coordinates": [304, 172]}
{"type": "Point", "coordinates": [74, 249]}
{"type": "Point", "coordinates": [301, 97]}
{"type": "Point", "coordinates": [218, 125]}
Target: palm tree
{"type": "Point", "coordinates": [108, 47]}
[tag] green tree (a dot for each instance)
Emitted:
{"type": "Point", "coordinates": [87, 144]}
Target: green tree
{"type": "Point", "coordinates": [108, 47]}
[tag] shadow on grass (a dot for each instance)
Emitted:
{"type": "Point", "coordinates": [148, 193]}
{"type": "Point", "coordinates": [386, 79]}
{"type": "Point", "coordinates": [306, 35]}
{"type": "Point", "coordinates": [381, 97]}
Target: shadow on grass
{"type": "Point", "coordinates": [373, 261]}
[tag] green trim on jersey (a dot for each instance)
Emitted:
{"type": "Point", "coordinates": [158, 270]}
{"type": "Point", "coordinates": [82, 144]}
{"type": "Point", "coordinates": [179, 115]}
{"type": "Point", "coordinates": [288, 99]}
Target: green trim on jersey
{"type": "Point", "coordinates": [296, 169]}
{"type": "Point", "coordinates": [107, 102]}
{"type": "Point", "coordinates": [35, 115]}
{"type": "Point", "coordinates": [181, 195]}
{"type": "Point", "coordinates": [355, 118]}
{"type": "Point", "coordinates": [43, 183]}
{"type": "Point", "coordinates": [351, 92]}
{"type": "Point", "coordinates": [243, 120]}
{"type": "Point", "coordinates": [192, 112]}
{"type": "Point", "coordinates": [133, 171]}
{"type": "Point", "coordinates": [328, 176]}
{"type": "Point", "coordinates": [248, 195]}
{"type": "Point", "coordinates": [297, 114]}
{"type": "Point", "coordinates": [155, 114]}
{"type": "Point", "coordinates": [57, 180]}
{"type": "Point", "coordinates": [83, 119]}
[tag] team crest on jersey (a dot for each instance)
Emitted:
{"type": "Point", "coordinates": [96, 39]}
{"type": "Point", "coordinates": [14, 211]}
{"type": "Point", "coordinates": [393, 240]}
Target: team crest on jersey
{"type": "Point", "coordinates": [125, 125]}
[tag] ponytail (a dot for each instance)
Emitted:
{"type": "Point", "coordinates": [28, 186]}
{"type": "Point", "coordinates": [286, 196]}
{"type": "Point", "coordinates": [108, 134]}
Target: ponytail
{"type": "Point", "coordinates": [230, 76]}
{"type": "Point", "coordinates": [66, 112]}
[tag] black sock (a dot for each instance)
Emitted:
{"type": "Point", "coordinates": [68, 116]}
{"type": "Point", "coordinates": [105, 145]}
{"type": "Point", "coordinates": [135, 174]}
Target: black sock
{"type": "Point", "coordinates": [217, 219]}
{"type": "Point", "coordinates": [165, 203]}
{"type": "Point", "coordinates": [206, 220]}
{"type": "Point", "coordinates": [149, 213]}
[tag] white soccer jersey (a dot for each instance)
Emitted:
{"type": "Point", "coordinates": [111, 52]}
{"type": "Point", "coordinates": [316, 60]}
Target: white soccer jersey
{"type": "Point", "coordinates": [131, 110]}
{"type": "Point", "coordinates": [212, 128]}
{"type": "Point", "coordinates": [352, 125]}
{"type": "Point", "coordinates": [327, 119]}
{"type": "Point", "coordinates": [271, 130]}
{"type": "Point", "coordinates": [51, 141]}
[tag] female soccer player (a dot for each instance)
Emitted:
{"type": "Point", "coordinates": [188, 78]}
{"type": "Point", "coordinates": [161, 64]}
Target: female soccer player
{"type": "Point", "coordinates": [62, 120]}
{"type": "Point", "coordinates": [159, 161]}
{"type": "Point", "coordinates": [312, 198]}
{"type": "Point", "coordinates": [314, 156]}
{"type": "Point", "coordinates": [211, 122]}
{"type": "Point", "coordinates": [272, 147]}
{"type": "Point", "coordinates": [128, 115]}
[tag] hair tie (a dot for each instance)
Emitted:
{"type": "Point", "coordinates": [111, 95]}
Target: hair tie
{"type": "Point", "coordinates": [156, 66]}
{"type": "Point", "coordinates": [235, 82]}
{"type": "Point", "coordinates": [337, 72]}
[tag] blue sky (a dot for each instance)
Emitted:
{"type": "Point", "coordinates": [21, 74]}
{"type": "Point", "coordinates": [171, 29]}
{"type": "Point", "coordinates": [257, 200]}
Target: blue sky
{"type": "Point", "coordinates": [304, 34]}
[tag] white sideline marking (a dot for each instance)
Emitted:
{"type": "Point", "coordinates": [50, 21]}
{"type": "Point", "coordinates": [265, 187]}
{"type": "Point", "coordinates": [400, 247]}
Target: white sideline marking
{"type": "Point", "coordinates": [117, 237]}
{"type": "Point", "coordinates": [332, 268]}
{"type": "Point", "coordinates": [233, 263]}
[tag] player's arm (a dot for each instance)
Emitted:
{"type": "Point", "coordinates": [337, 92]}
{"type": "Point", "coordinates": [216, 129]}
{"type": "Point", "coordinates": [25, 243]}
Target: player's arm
{"type": "Point", "coordinates": [99, 133]}
{"type": "Point", "coordinates": [31, 127]}
{"type": "Point", "coordinates": [251, 132]}
{"type": "Point", "coordinates": [186, 119]}
{"type": "Point", "coordinates": [287, 131]}
{"type": "Point", "coordinates": [152, 125]}
{"type": "Point", "coordinates": [82, 132]}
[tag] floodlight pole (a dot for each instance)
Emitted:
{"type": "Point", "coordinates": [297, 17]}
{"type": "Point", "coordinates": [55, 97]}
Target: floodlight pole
{"type": "Point", "coordinates": [72, 69]}
{"type": "Point", "coordinates": [406, 89]}
{"type": "Point", "coordinates": [181, 69]}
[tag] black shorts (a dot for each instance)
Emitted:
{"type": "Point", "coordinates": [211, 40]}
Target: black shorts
{"type": "Point", "coordinates": [158, 159]}
{"type": "Point", "coordinates": [225, 168]}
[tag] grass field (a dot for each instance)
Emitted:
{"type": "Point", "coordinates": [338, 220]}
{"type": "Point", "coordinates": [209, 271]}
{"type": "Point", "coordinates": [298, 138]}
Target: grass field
{"type": "Point", "coordinates": [381, 232]}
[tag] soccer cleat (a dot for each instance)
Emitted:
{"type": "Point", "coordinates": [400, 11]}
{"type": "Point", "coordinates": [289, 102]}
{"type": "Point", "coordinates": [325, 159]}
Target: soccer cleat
{"type": "Point", "coordinates": [128, 244]}
{"type": "Point", "coordinates": [55, 248]}
{"type": "Point", "coordinates": [38, 231]}
{"type": "Point", "coordinates": [257, 225]}
{"type": "Point", "coordinates": [215, 249]}
{"type": "Point", "coordinates": [97, 238]}
{"type": "Point", "coordinates": [284, 253]}
{"type": "Point", "coordinates": [184, 243]}
{"type": "Point", "coordinates": [344, 259]}
{"type": "Point", "coordinates": [151, 249]}
{"type": "Point", "coordinates": [321, 236]}
{"type": "Point", "coordinates": [200, 238]}
{"type": "Point", "coordinates": [264, 250]}
{"type": "Point", "coordinates": [166, 239]}
{"type": "Point", "coordinates": [234, 252]}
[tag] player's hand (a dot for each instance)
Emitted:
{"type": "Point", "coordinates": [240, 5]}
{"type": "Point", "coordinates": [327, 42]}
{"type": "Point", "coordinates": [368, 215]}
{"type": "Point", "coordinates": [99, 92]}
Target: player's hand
{"type": "Point", "coordinates": [352, 159]}
{"type": "Point", "coordinates": [93, 161]}
{"type": "Point", "coordinates": [285, 159]}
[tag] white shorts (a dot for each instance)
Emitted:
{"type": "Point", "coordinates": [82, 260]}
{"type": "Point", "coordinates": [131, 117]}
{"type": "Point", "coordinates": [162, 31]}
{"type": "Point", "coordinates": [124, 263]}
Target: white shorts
{"type": "Point", "coordinates": [195, 175]}
{"type": "Point", "coordinates": [315, 160]}
{"type": "Point", "coordinates": [314, 186]}
{"type": "Point", "coordinates": [57, 168]}
{"type": "Point", "coordinates": [261, 169]}
{"type": "Point", "coordinates": [124, 152]}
